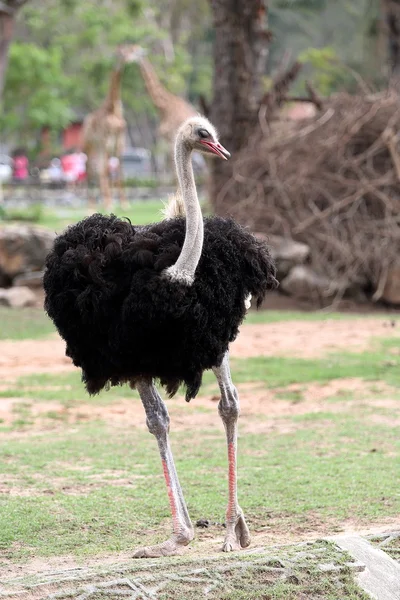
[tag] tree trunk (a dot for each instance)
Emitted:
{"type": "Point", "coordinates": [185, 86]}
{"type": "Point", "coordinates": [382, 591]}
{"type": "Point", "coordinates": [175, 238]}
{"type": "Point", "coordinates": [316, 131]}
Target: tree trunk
{"type": "Point", "coordinates": [8, 13]}
{"type": "Point", "coordinates": [7, 25]}
{"type": "Point", "coordinates": [391, 10]}
{"type": "Point", "coordinates": [240, 56]}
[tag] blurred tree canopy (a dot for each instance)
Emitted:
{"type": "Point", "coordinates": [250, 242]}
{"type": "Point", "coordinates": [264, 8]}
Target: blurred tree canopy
{"type": "Point", "coordinates": [38, 81]}
{"type": "Point", "coordinates": [67, 47]}
{"type": "Point", "coordinates": [349, 33]}
{"type": "Point", "coordinates": [63, 52]}
{"type": "Point", "coordinates": [8, 13]}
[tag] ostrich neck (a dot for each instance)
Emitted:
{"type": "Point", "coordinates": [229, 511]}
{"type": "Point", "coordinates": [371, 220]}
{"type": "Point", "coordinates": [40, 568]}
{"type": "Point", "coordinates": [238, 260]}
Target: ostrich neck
{"type": "Point", "coordinates": [185, 267]}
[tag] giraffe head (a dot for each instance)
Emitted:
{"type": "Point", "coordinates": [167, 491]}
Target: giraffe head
{"type": "Point", "coordinates": [199, 134]}
{"type": "Point", "coordinates": [129, 53]}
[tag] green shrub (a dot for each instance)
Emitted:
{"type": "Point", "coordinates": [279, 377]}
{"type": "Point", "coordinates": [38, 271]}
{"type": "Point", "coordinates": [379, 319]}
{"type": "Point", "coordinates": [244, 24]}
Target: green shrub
{"type": "Point", "coordinates": [30, 214]}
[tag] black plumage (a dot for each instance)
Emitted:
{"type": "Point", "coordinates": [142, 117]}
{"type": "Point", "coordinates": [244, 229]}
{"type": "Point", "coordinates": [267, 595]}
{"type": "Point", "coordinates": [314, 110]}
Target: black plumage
{"type": "Point", "coordinates": [123, 319]}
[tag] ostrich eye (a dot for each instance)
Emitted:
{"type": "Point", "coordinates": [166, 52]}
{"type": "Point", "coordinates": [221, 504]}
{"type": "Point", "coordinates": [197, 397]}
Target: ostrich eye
{"type": "Point", "coordinates": [203, 133]}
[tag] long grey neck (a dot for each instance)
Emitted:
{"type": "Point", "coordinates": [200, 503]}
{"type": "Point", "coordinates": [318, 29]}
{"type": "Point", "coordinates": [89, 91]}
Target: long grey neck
{"type": "Point", "coordinates": [185, 267]}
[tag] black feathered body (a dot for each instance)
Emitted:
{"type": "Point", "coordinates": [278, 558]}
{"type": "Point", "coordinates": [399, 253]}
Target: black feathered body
{"type": "Point", "coordinates": [123, 319]}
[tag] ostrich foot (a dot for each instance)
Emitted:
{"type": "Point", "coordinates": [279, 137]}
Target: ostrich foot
{"type": "Point", "coordinates": [168, 548]}
{"type": "Point", "coordinates": [237, 534]}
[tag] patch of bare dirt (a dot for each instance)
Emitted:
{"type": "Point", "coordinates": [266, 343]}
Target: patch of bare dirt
{"type": "Point", "coordinates": [386, 420]}
{"type": "Point", "coordinates": [63, 485]}
{"type": "Point", "coordinates": [310, 339]}
{"type": "Point", "coordinates": [317, 392]}
{"type": "Point", "coordinates": [23, 357]}
{"type": "Point", "coordinates": [262, 410]}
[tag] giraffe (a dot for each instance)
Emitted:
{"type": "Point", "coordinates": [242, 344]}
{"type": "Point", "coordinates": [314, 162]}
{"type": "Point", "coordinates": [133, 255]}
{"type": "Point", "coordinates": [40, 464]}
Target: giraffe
{"type": "Point", "coordinates": [172, 110]}
{"type": "Point", "coordinates": [104, 131]}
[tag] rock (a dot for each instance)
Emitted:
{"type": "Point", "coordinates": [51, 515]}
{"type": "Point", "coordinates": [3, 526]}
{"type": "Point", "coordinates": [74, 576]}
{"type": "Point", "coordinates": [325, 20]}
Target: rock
{"type": "Point", "coordinates": [286, 252]}
{"type": "Point", "coordinates": [204, 523]}
{"type": "Point", "coordinates": [391, 290]}
{"type": "Point", "coordinates": [23, 248]}
{"type": "Point", "coordinates": [303, 282]}
{"type": "Point", "coordinates": [31, 280]}
{"type": "Point", "coordinates": [17, 297]}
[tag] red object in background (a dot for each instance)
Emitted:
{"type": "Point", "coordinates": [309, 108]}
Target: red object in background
{"type": "Point", "coordinates": [82, 160]}
{"type": "Point", "coordinates": [20, 167]}
{"type": "Point", "coordinates": [74, 166]}
{"type": "Point", "coordinates": [69, 164]}
{"type": "Point", "coordinates": [71, 136]}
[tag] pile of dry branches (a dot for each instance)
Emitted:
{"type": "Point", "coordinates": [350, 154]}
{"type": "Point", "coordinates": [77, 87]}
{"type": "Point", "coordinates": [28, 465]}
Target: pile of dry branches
{"type": "Point", "coordinates": [333, 182]}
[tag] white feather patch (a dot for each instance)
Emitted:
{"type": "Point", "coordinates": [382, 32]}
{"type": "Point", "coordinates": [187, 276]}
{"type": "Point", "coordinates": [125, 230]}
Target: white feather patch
{"type": "Point", "coordinates": [179, 275]}
{"type": "Point", "coordinates": [175, 206]}
{"type": "Point", "coordinates": [247, 302]}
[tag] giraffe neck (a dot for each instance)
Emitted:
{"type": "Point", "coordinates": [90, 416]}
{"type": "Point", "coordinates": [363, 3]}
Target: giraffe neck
{"type": "Point", "coordinates": [113, 101]}
{"type": "Point", "coordinates": [160, 96]}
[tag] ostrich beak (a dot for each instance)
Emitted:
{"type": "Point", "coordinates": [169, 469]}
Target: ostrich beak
{"type": "Point", "coordinates": [216, 148]}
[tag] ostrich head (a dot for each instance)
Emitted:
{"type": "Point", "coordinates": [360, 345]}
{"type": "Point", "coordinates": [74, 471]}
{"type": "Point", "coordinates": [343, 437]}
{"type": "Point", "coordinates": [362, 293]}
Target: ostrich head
{"type": "Point", "coordinates": [197, 133]}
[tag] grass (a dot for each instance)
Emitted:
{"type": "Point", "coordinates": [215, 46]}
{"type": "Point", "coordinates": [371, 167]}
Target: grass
{"type": "Point", "coordinates": [388, 543]}
{"type": "Point", "coordinates": [86, 489]}
{"type": "Point", "coordinates": [274, 316]}
{"type": "Point", "coordinates": [278, 372]}
{"type": "Point", "coordinates": [29, 323]}
{"type": "Point", "coordinates": [140, 213]}
{"type": "Point", "coordinates": [77, 481]}
{"type": "Point", "coordinates": [92, 489]}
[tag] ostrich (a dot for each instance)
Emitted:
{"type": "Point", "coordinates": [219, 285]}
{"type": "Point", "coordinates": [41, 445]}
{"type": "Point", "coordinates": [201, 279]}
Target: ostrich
{"type": "Point", "coordinates": [162, 302]}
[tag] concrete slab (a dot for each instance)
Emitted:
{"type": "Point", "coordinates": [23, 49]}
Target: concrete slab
{"type": "Point", "coordinates": [381, 577]}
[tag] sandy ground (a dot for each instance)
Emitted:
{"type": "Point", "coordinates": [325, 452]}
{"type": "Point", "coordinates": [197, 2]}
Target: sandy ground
{"type": "Point", "coordinates": [311, 339]}
{"type": "Point", "coordinates": [303, 339]}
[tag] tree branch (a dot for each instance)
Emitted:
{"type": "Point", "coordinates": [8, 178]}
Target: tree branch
{"type": "Point", "coordinates": [282, 82]}
{"type": "Point", "coordinates": [313, 96]}
{"type": "Point", "coordinates": [204, 105]}
{"type": "Point", "coordinates": [300, 99]}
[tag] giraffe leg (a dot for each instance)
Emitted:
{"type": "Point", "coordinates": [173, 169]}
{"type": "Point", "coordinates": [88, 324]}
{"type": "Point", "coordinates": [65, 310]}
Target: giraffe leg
{"type": "Point", "coordinates": [90, 180]}
{"type": "Point", "coordinates": [105, 184]}
{"type": "Point", "coordinates": [237, 533]}
{"type": "Point", "coordinates": [120, 186]}
{"type": "Point", "coordinates": [157, 419]}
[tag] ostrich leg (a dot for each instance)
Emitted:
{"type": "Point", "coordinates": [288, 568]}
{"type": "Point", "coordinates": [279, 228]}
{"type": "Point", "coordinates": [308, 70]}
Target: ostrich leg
{"type": "Point", "coordinates": [157, 419]}
{"type": "Point", "coordinates": [237, 533]}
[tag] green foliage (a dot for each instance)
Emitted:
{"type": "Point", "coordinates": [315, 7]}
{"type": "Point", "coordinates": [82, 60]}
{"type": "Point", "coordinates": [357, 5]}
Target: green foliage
{"type": "Point", "coordinates": [35, 90]}
{"type": "Point", "coordinates": [64, 52]}
{"type": "Point", "coordinates": [65, 49]}
{"type": "Point", "coordinates": [328, 74]}
{"type": "Point", "coordinates": [349, 28]}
